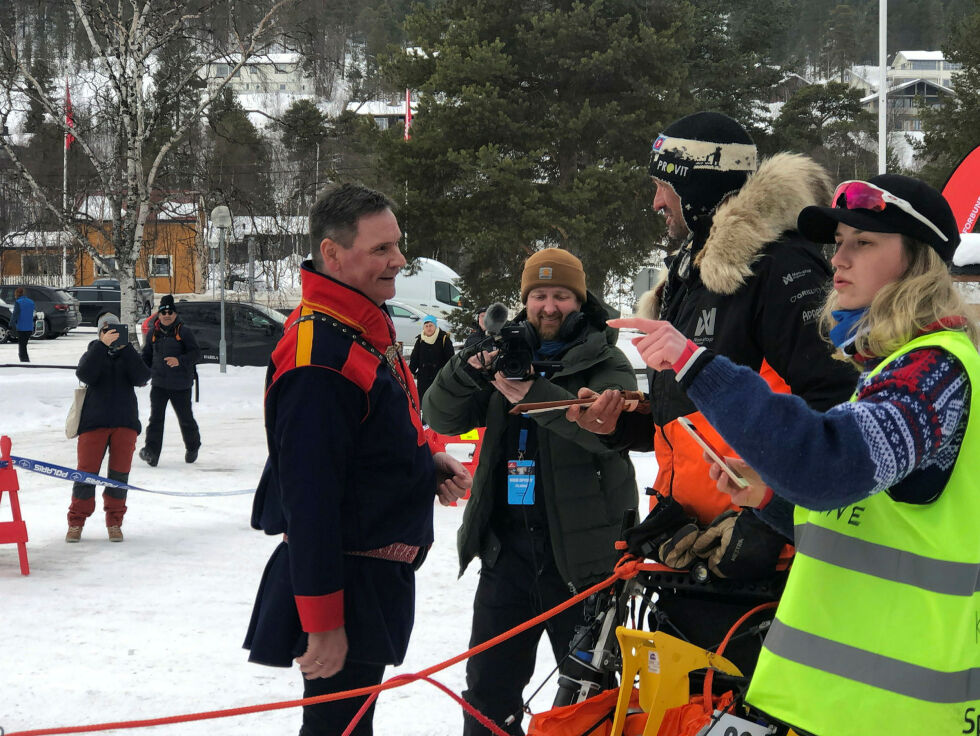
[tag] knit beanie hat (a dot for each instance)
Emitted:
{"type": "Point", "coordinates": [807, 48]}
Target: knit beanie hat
{"type": "Point", "coordinates": [107, 319]}
{"type": "Point", "coordinates": [167, 302]}
{"type": "Point", "coordinates": [704, 157]}
{"type": "Point", "coordinates": [553, 267]}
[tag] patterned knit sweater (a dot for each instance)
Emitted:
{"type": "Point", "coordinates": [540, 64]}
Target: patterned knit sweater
{"type": "Point", "coordinates": [903, 433]}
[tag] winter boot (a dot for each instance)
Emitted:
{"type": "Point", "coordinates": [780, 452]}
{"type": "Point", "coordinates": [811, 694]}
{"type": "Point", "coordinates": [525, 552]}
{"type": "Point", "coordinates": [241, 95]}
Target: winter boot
{"type": "Point", "coordinates": [115, 534]}
{"type": "Point", "coordinates": [74, 534]}
{"type": "Point", "coordinates": [190, 456]}
{"type": "Point", "coordinates": [151, 458]}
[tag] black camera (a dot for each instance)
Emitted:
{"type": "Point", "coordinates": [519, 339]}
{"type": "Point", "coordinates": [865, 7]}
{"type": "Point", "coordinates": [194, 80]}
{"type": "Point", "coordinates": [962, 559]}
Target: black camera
{"type": "Point", "coordinates": [514, 356]}
{"type": "Point", "coordinates": [515, 345]}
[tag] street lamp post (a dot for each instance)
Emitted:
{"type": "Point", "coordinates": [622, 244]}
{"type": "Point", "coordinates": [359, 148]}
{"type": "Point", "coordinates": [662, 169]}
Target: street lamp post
{"type": "Point", "coordinates": [221, 219]}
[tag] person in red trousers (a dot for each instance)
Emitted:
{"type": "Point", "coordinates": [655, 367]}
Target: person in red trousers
{"type": "Point", "coordinates": [109, 421]}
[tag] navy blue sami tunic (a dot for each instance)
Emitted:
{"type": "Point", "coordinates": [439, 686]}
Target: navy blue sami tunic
{"type": "Point", "coordinates": [348, 470]}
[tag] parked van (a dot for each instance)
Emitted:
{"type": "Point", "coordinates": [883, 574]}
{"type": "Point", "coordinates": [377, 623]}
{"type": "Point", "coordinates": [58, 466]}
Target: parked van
{"type": "Point", "coordinates": [432, 288]}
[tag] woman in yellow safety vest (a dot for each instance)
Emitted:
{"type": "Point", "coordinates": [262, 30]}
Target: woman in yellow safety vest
{"type": "Point", "coordinates": [878, 629]}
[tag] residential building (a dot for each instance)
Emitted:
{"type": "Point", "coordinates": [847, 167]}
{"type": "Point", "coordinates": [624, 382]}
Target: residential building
{"type": "Point", "coordinates": [385, 113]}
{"type": "Point", "coordinates": [174, 254]}
{"type": "Point", "coordinates": [914, 78]}
{"type": "Point", "coordinates": [266, 74]}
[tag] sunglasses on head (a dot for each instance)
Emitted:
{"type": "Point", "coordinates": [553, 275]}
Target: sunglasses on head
{"type": "Point", "coordinates": [862, 195]}
{"type": "Point", "coordinates": [167, 310]}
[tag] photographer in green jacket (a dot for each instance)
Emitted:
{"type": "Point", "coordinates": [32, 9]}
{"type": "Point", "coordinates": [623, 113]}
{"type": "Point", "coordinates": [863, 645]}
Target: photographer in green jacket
{"type": "Point", "coordinates": [548, 497]}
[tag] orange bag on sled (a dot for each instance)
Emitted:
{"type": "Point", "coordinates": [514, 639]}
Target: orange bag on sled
{"type": "Point", "coordinates": [688, 720]}
{"type": "Point", "coordinates": [591, 717]}
{"type": "Point", "coordinates": [594, 717]}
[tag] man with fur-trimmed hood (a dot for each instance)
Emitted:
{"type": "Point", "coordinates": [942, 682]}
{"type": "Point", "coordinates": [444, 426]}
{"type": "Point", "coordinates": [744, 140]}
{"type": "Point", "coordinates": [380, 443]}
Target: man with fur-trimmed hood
{"type": "Point", "coordinates": [746, 285]}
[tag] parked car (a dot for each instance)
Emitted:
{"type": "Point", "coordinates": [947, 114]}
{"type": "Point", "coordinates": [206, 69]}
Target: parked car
{"type": "Point", "coordinates": [251, 330]}
{"type": "Point", "coordinates": [60, 308]}
{"type": "Point", "coordinates": [144, 292]}
{"type": "Point", "coordinates": [408, 323]}
{"type": "Point", "coordinates": [6, 332]}
{"type": "Point", "coordinates": [104, 295]}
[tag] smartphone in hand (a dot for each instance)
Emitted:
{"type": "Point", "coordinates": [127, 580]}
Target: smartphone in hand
{"type": "Point", "coordinates": [123, 338]}
{"type": "Point", "coordinates": [712, 452]}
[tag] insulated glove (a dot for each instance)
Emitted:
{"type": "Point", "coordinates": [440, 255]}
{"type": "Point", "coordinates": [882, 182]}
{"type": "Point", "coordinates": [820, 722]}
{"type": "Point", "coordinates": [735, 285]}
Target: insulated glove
{"type": "Point", "coordinates": [678, 551]}
{"type": "Point", "coordinates": [740, 546]}
{"type": "Point", "coordinates": [666, 518]}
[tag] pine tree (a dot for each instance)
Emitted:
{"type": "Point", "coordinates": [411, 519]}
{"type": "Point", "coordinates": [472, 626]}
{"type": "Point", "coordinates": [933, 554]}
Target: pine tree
{"type": "Point", "coordinates": [827, 122]}
{"type": "Point", "coordinates": [951, 127]}
{"type": "Point", "coordinates": [237, 168]}
{"type": "Point", "coordinates": [41, 72]}
{"type": "Point", "coordinates": [176, 95]}
{"type": "Point", "coordinates": [533, 129]}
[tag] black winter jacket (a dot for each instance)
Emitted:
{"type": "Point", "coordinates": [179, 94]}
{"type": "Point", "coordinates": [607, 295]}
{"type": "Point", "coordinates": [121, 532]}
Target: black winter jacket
{"type": "Point", "coordinates": [751, 288]}
{"type": "Point", "coordinates": [585, 487]}
{"type": "Point", "coordinates": [176, 341]}
{"type": "Point", "coordinates": [110, 400]}
{"type": "Point", "coordinates": [426, 359]}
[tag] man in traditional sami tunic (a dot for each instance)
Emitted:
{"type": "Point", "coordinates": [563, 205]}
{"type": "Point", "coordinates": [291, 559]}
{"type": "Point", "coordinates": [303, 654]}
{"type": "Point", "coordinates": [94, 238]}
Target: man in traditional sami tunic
{"type": "Point", "coordinates": [350, 479]}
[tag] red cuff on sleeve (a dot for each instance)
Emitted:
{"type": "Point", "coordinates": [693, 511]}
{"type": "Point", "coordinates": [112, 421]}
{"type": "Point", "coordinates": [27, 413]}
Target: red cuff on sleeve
{"type": "Point", "coordinates": [321, 612]}
{"type": "Point", "coordinates": [766, 499]}
{"type": "Point", "coordinates": [689, 350]}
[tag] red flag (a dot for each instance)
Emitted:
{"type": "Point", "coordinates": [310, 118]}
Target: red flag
{"type": "Point", "coordinates": [408, 114]}
{"type": "Point", "coordinates": [69, 118]}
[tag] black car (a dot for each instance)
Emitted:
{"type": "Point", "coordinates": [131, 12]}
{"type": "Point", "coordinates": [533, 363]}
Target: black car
{"type": "Point", "coordinates": [144, 292]}
{"type": "Point", "coordinates": [99, 297]}
{"type": "Point", "coordinates": [251, 330]}
{"type": "Point", "coordinates": [60, 308]}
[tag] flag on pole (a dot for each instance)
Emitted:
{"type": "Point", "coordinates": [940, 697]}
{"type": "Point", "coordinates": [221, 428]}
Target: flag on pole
{"type": "Point", "coordinates": [408, 114]}
{"type": "Point", "coordinates": [69, 118]}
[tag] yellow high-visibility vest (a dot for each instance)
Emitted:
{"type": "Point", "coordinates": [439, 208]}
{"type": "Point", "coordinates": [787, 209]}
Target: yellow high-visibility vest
{"type": "Point", "coordinates": [878, 630]}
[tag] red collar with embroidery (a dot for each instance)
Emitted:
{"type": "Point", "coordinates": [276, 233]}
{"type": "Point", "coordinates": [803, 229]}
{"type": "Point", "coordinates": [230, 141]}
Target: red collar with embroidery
{"type": "Point", "coordinates": [346, 304]}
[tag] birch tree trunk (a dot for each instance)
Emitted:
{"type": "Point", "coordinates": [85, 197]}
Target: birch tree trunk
{"type": "Point", "coordinates": [124, 36]}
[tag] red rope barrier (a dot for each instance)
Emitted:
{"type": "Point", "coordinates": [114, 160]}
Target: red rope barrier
{"type": "Point", "coordinates": [482, 719]}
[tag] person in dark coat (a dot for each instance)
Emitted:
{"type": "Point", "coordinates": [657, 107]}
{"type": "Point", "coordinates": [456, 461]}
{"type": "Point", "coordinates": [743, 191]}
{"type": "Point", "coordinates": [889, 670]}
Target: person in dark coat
{"type": "Point", "coordinates": [478, 331]}
{"type": "Point", "coordinates": [745, 284]}
{"type": "Point", "coordinates": [171, 352]}
{"type": "Point", "coordinates": [109, 421]}
{"type": "Point", "coordinates": [22, 319]}
{"type": "Point", "coordinates": [433, 349]}
{"type": "Point", "coordinates": [350, 480]}
{"type": "Point", "coordinates": [548, 497]}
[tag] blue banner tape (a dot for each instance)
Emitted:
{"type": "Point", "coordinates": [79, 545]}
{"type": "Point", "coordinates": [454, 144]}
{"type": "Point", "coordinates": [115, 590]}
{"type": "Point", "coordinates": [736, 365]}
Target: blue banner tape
{"type": "Point", "coordinates": [80, 476]}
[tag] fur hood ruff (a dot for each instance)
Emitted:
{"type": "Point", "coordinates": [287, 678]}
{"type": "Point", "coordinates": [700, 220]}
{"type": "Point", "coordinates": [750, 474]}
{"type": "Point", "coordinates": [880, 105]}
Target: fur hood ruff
{"type": "Point", "coordinates": [762, 210]}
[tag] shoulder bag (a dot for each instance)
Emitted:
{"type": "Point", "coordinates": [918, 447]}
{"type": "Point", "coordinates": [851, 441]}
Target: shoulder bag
{"type": "Point", "coordinates": [75, 412]}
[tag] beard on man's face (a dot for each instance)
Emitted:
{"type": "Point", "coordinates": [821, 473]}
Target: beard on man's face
{"type": "Point", "coordinates": [547, 328]}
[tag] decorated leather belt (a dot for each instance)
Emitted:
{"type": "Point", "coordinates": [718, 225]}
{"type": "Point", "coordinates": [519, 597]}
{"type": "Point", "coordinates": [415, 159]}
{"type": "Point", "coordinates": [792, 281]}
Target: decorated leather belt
{"type": "Point", "coordinates": [396, 552]}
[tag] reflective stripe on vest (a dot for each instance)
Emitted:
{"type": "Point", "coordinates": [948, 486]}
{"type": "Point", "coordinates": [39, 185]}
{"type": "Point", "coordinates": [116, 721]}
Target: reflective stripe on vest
{"type": "Point", "coordinates": [878, 630]}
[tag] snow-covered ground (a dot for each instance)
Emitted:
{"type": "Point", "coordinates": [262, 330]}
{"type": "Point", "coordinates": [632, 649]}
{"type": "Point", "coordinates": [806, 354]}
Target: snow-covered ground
{"type": "Point", "coordinates": [153, 627]}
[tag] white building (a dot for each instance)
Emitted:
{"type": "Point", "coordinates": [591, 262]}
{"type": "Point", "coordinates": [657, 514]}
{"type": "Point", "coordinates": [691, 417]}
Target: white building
{"type": "Point", "coordinates": [270, 73]}
{"type": "Point", "coordinates": [930, 66]}
{"type": "Point", "coordinates": [914, 78]}
{"type": "Point", "coordinates": [385, 113]}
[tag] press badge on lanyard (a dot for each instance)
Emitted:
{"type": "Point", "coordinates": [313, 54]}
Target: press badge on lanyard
{"type": "Point", "coordinates": [520, 476]}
